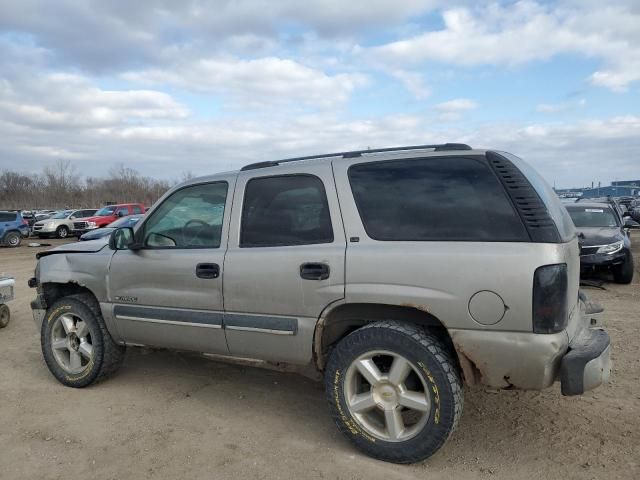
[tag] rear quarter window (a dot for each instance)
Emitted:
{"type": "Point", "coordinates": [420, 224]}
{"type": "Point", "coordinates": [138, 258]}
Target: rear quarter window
{"type": "Point", "coordinates": [434, 199]}
{"type": "Point", "coordinates": [7, 217]}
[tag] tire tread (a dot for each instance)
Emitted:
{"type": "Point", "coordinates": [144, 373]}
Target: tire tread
{"type": "Point", "coordinates": [427, 340]}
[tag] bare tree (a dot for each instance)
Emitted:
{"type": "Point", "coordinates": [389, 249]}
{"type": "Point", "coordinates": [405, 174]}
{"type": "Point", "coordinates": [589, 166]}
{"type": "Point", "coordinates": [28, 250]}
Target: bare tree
{"type": "Point", "coordinates": [60, 186]}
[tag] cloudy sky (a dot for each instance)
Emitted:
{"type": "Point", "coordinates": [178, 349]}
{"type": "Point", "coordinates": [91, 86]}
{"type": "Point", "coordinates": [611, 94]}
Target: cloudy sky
{"type": "Point", "coordinates": [169, 86]}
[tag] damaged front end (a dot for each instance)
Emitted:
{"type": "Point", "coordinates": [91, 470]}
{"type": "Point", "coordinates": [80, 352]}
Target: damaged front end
{"type": "Point", "coordinates": [68, 269]}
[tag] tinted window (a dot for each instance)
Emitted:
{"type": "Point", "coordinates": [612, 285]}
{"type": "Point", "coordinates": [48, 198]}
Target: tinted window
{"type": "Point", "coordinates": [85, 213]}
{"type": "Point", "coordinates": [285, 210]}
{"type": "Point", "coordinates": [585, 217]}
{"type": "Point", "coordinates": [547, 195]}
{"type": "Point", "coordinates": [7, 217]}
{"type": "Point", "coordinates": [434, 199]}
{"type": "Point", "coordinates": [189, 218]}
{"type": "Point", "coordinates": [136, 209]}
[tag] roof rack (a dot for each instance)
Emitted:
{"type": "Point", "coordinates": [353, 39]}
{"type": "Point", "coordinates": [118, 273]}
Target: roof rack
{"type": "Point", "coordinates": [358, 153]}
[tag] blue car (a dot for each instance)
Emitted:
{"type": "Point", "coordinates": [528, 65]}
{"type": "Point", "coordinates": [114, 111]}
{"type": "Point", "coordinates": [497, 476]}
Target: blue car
{"type": "Point", "coordinates": [12, 228]}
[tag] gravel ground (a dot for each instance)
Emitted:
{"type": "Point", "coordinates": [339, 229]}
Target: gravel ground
{"type": "Point", "coordinates": [175, 415]}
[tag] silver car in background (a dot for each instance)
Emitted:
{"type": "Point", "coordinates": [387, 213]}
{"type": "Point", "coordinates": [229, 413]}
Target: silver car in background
{"type": "Point", "coordinates": [60, 224]}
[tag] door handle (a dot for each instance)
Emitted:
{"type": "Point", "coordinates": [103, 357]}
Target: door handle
{"type": "Point", "coordinates": [314, 271]}
{"type": "Point", "coordinates": [207, 270]}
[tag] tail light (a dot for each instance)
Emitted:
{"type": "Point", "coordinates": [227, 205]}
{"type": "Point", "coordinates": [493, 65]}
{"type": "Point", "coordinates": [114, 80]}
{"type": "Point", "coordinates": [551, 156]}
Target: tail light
{"type": "Point", "coordinates": [550, 308]}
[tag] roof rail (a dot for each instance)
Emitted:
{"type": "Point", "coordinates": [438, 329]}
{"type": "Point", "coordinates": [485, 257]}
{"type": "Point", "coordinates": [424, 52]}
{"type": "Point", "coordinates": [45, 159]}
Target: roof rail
{"type": "Point", "coordinates": [358, 153]}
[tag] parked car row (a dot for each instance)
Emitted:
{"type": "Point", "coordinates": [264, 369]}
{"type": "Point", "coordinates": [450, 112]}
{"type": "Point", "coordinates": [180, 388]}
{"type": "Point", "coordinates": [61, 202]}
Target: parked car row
{"type": "Point", "coordinates": [84, 223]}
{"type": "Point", "coordinates": [603, 235]}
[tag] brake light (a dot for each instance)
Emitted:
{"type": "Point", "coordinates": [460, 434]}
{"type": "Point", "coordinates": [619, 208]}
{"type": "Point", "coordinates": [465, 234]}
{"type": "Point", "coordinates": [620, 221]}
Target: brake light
{"type": "Point", "coordinates": [550, 308]}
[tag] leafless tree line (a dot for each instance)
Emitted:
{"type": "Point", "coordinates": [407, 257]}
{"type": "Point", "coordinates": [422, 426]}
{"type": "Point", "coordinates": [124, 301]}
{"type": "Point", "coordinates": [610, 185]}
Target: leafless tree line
{"type": "Point", "coordinates": [60, 186]}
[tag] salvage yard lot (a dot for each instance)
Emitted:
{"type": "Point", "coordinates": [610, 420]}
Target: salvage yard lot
{"type": "Point", "coordinates": [177, 415]}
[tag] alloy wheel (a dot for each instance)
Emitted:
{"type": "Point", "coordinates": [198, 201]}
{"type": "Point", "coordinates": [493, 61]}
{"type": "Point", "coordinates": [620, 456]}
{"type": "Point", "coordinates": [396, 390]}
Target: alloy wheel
{"type": "Point", "coordinates": [387, 396]}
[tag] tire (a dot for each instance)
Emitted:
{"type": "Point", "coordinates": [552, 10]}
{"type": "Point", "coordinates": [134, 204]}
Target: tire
{"type": "Point", "coordinates": [62, 232]}
{"type": "Point", "coordinates": [5, 315]}
{"type": "Point", "coordinates": [105, 357]}
{"type": "Point", "coordinates": [12, 239]}
{"type": "Point", "coordinates": [433, 376]}
{"type": "Point", "coordinates": [624, 273]}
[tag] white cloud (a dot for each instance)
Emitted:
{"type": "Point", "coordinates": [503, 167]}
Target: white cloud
{"type": "Point", "coordinates": [67, 102]}
{"type": "Point", "coordinates": [152, 133]}
{"type": "Point", "coordinates": [414, 82]}
{"type": "Point", "coordinates": [116, 35]}
{"type": "Point", "coordinates": [256, 82]}
{"type": "Point", "coordinates": [529, 31]}
{"type": "Point", "coordinates": [453, 110]}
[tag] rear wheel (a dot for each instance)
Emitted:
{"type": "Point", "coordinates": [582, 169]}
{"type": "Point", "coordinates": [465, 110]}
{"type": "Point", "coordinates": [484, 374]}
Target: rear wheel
{"type": "Point", "coordinates": [12, 239]}
{"type": "Point", "coordinates": [5, 315]}
{"type": "Point", "coordinates": [76, 345]}
{"type": "Point", "coordinates": [394, 390]}
{"type": "Point", "coordinates": [62, 232]}
{"type": "Point", "coordinates": [624, 273]}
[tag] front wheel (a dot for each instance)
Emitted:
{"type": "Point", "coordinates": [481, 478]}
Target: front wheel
{"type": "Point", "coordinates": [624, 273]}
{"type": "Point", "coordinates": [62, 232]}
{"type": "Point", "coordinates": [394, 390]}
{"type": "Point", "coordinates": [76, 344]}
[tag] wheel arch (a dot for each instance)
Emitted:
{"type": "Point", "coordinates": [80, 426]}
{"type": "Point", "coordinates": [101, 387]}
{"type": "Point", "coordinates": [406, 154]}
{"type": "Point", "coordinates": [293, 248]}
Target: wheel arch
{"type": "Point", "coordinates": [11, 230]}
{"type": "Point", "coordinates": [53, 291]}
{"type": "Point", "coordinates": [344, 318]}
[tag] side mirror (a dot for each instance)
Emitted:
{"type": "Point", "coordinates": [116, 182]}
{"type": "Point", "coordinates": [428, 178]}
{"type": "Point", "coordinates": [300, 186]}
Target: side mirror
{"type": "Point", "coordinates": [123, 239]}
{"type": "Point", "coordinates": [121, 213]}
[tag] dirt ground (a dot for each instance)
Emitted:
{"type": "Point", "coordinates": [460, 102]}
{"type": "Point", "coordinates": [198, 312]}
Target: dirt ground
{"type": "Point", "coordinates": [174, 415]}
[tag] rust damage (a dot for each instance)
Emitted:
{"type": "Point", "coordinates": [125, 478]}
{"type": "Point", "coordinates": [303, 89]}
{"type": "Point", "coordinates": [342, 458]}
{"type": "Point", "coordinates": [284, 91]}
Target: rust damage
{"type": "Point", "coordinates": [422, 308]}
{"type": "Point", "coordinates": [470, 371]}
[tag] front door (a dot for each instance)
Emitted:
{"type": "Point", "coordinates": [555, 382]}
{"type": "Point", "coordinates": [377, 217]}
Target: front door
{"type": "Point", "coordinates": [284, 262]}
{"type": "Point", "coordinates": [169, 293]}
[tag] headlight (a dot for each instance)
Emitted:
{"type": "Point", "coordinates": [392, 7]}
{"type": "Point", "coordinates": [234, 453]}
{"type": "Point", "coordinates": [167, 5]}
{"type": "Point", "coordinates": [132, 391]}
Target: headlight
{"type": "Point", "coordinates": [91, 224]}
{"type": "Point", "coordinates": [611, 248]}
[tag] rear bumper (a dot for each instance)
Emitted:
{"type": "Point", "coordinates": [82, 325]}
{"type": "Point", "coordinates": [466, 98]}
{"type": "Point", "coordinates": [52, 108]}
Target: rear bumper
{"type": "Point", "coordinates": [532, 361]}
{"type": "Point", "coordinates": [587, 364]}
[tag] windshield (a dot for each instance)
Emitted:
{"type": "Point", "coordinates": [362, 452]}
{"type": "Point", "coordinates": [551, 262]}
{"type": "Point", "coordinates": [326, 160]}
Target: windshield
{"type": "Point", "coordinates": [106, 211]}
{"type": "Point", "coordinates": [59, 215]}
{"type": "Point", "coordinates": [586, 217]}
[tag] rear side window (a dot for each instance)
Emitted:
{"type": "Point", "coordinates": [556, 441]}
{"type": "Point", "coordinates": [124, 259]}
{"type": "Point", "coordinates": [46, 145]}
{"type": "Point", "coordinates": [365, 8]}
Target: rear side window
{"type": "Point", "coordinates": [7, 217]}
{"type": "Point", "coordinates": [285, 210]}
{"type": "Point", "coordinates": [136, 209]}
{"type": "Point", "coordinates": [437, 199]}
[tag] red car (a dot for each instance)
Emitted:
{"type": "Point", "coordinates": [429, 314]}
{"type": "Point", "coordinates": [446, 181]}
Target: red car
{"type": "Point", "coordinates": [105, 216]}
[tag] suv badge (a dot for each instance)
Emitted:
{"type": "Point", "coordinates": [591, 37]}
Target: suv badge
{"type": "Point", "coordinates": [126, 299]}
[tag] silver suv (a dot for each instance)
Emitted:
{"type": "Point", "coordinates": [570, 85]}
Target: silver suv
{"type": "Point", "coordinates": [398, 274]}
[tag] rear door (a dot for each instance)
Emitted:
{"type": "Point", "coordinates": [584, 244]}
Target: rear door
{"type": "Point", "coordinates": [285, 261]}
{"type": "Point", "coordinates": [169, 293]}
